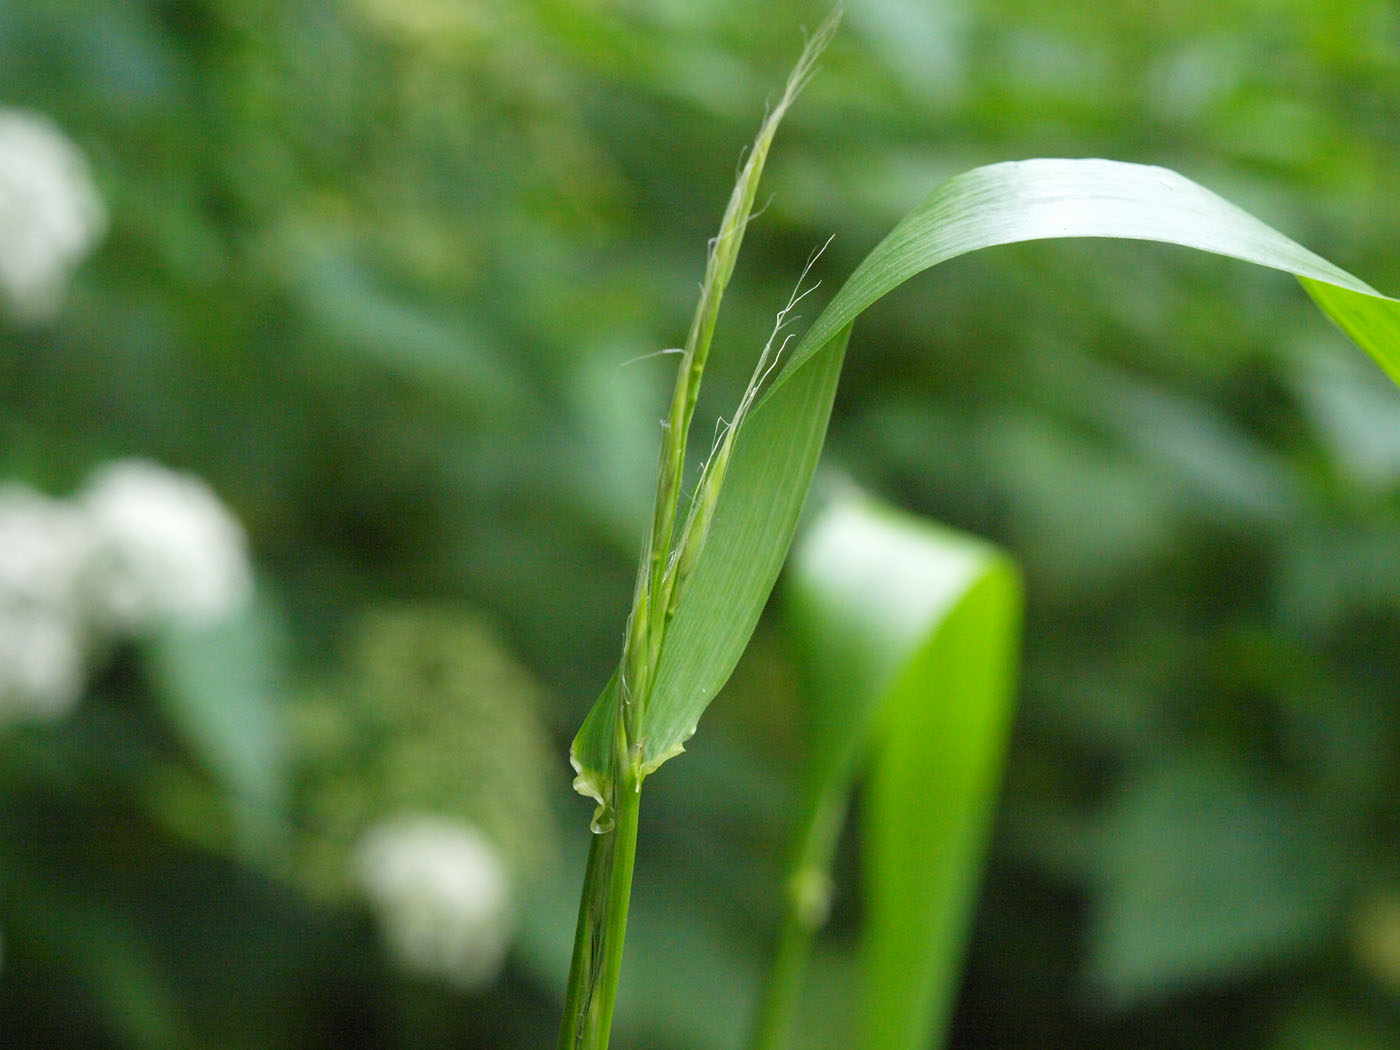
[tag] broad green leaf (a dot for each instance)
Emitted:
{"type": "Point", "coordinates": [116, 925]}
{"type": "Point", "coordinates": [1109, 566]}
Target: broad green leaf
{"type": "Point", "coordinates": [778, 445]}
{"type": "Point", "coordinates": [219, 685]}
{"type": "Point", "coordinates": [908, 635]}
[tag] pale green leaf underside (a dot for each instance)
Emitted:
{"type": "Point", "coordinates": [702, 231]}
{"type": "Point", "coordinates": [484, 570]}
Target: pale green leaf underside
{"type": "Point", "coordinates": [908, 633]}
{"type": "Point", "coordinates": [778, 445]}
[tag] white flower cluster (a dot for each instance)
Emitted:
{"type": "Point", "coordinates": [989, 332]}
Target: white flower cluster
{"type": "Point", "coordinates": [442, 895]}
{"type": "Point", "coordinates": [166, 548]}
{"type": "Point", "coordinates": [138, 547]}
{"type": "Point", "coordinates": [50, 213]}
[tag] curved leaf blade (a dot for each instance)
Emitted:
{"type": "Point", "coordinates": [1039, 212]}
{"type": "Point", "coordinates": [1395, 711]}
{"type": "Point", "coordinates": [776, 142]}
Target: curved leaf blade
{"type": "Point", "coordinates": [1032, 200]}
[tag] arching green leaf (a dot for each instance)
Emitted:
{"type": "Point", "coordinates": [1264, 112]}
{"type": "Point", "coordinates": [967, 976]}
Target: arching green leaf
{"type": "Point", "coordinates": [778, 445]}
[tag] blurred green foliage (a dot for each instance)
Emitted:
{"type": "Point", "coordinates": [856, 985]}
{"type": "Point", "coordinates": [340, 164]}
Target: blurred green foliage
{"type": "Point", "coordinates": [429, 715]}
{"type": "Point", "coordinates": [374, 270]}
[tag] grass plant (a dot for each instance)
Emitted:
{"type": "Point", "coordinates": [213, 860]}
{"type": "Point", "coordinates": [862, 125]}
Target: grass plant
{"type": "Point", "coordinates": [912, 631]}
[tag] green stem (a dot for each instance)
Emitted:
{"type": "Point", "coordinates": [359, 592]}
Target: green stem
{"type": "Point", "coordinates": [607, 885]}
{"type": "Point", "coordinates": [602, 926]}
{"type": "Point", "coordinates": [808, 894]}
{"type": "Point", "coordinates": [784, 983]}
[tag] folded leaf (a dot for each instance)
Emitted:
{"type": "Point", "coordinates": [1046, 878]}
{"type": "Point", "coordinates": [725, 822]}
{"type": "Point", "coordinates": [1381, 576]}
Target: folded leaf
{"type": "Point", "coordinates": [908, 637]}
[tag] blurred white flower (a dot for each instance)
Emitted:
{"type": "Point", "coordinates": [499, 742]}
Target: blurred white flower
{"type": "Point", "coordinates": [442, 895]}
{"type": "Point", "coordinates": [50, 213]}
{"type": "Point", "coordinates": [41, 664]}
{"type": "Point", "coordinates": [164, 549]}
{"type": "Point", "coordinates": [140, 546]}
{"type": "Point", "coordinates": [44, 549]}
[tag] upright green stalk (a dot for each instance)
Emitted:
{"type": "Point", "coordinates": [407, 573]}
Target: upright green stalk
{"type": "Point", "coordinates": [661, 576]}
{"type": "Point", "coordinates": [602, 924]}
{"type": "Point", "coordinates": [657, 575]}
{"type": "Point", "coordinates": [808, 900]}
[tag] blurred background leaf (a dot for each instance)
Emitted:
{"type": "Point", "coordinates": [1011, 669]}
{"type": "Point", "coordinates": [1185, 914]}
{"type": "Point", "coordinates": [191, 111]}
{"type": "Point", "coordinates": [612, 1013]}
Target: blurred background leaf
{"type": "Point", "coordinates": [221, 689]}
